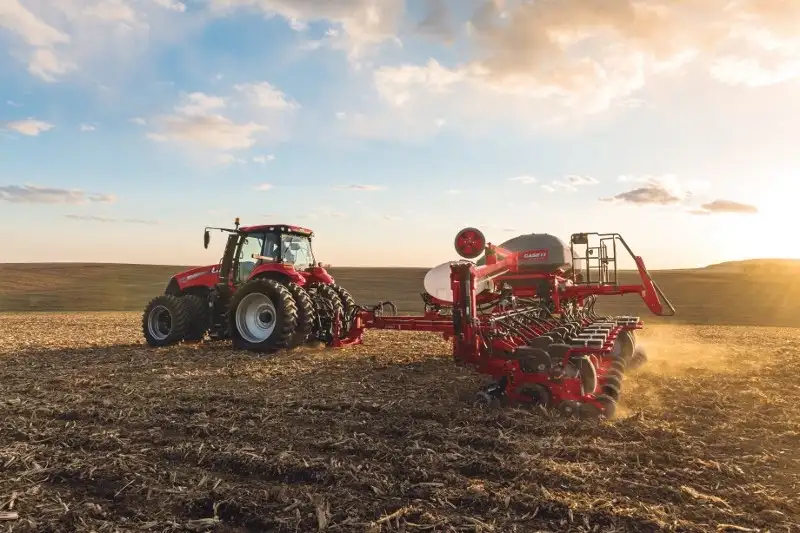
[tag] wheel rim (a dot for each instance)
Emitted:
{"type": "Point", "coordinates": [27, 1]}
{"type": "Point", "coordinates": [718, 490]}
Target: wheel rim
{"type": "Point", "coordinates": [159, 323]}
{"type": "Point", "coordinates": [255, 317]}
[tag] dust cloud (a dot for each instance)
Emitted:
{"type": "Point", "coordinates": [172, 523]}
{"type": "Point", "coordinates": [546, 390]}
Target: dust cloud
{"type": "Point", "coordinates": [676, 350]}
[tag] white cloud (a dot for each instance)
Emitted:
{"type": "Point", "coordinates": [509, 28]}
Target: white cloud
{"type": "Point", "coordinates": [88, 127]}
{"type": "Point", "coordinates": [571, 182]}
{"type": "Point", "coordinates": [15, 17]}
{"type": "Point", "coordinates": [214, 131]}
{"type": "Point", "coordinates": [298, 25]}
{"type": "Point", "coordinates": [199, 104]}
{"type": "Point", "coordinates": [139, 120]}
{"type": "Point", "coordinates": [30, 127]}
{"type": "Point", "coordinates": [527, 180]}
{"type": "Point", "coordinates": [545, 64]}
{"type": "Point", "coordinates": [47, 65]}
{"type": "Point", "coordinates": [229, 159]}
{"type": "Point", "coordinates": [359, 187]}
{"type": "Point", "coordinates": [247, 115]}
{"type": "Point", "coordinates": [263, 187]}
{"type": "Point", "coordinates": [172, 5]}
{"type": "Point", "coordinates": [35, 194]}
{"type": "Point", "coordinates": [111, 11]}
{"type": "Point", "coordinates": [720, 206]}
{"type": "Point", "coordinates": [105, 219]}
{"type": "Point", "coordinates": [359, 26]}
{"type": "Point", "coordinates": [664, 190]}
{"type": "Point", "coordinates": [56, 38]}
{"type": "Point", "coordinates": [262, 159]}
{"type": "Point", "coordinates": [238, 121]}
{"type": "Point", "coordinates": [266, 96]}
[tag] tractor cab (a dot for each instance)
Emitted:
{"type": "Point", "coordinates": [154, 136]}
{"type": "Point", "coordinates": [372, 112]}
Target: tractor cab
{"type": "Point", "coordinates": [264, 248]}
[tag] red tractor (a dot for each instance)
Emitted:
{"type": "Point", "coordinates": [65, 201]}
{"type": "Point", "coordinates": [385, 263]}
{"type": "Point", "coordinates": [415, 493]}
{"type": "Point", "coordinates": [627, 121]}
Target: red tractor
{"type": "Point", "coordinates": [267, 293]}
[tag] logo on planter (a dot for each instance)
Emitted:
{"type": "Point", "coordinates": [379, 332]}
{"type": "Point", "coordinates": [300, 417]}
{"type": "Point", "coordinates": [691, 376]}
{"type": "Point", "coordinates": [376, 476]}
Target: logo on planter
{"type": "Point", "coordinates": [535, 255]}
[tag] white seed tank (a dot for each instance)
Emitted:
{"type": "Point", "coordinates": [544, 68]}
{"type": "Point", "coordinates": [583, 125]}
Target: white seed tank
{"type": "Point", "coordinates": [541, 253]}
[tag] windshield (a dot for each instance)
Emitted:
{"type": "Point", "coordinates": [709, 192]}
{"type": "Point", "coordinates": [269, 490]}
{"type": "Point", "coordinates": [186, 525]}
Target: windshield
{"type": "Point", "coordinates": [296, 249]}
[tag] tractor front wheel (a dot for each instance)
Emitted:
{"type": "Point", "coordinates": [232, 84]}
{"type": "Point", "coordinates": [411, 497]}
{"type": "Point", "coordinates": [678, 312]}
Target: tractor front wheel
{"type": "Point", "coordinates": [165, 320]}
{"type": "Point", "coordinates": [262, 316]}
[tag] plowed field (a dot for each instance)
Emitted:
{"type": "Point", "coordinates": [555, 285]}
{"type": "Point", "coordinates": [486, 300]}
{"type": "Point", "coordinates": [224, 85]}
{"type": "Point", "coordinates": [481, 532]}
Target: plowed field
{"type": "Point", "coordinates": [99, 433]}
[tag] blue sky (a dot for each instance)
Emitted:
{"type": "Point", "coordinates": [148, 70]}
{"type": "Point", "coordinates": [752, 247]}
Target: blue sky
{"type": "Point", "coordinates": [388, 125]}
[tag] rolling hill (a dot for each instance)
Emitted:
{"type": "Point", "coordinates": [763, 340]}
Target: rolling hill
{"type": "Point", "coordinates": [736, 293]}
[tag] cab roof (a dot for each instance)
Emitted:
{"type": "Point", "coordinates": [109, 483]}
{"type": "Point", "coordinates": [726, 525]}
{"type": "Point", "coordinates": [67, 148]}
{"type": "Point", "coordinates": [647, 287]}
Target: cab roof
{"type": "Point", "coordinates": [279, 228]}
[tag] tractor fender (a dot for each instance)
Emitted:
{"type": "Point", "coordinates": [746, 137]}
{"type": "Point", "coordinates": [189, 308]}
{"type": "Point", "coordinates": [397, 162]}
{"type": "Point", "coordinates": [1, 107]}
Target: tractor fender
{"type": "Point", "coordinates": [321, 275]}
{"type": "Point", "coordinates": [282, 276]}
{"type": "Point", "coordinates": [173, 289]}
{"type": "Point", "coordinates": [197, 289]}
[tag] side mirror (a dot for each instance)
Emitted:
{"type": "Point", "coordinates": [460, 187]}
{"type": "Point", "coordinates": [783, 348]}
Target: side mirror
{"type": "Point", "coordinates": [206, 239]}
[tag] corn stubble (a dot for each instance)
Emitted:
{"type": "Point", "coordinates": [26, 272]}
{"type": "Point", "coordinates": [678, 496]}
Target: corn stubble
{"type": "Point", "coordinates": [99, 433]}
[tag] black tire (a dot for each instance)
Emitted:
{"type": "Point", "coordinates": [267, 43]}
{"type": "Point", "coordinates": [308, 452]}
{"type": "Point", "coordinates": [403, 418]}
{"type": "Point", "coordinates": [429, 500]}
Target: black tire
{"type": "Point", "coordinates": [279, 308]}
{"type": "Point", "coordinates": [612, 389]}
{"type": "Point", "coordinates": [612, 379]}
{"type": "Point", "coordinates": [348, 306]}
{"type": "Point", "coordinates": [638, 360]}
{"type": "Point", "coordinates": [306, 315]}
{"type": "Point", "coordinates": [626, 339]}
{"type": "Point", "coordinates": [608, 410]}
{"type": "Point", "coordinates": [327, 305]}
{"type": "Point", "coordinates": [536, 395]}
{"type": "Point", "coordinates": [165, 320]}
{"type": "Point", "coordinates": [587, 373]}
{"type": "Point", "coordinates": [198, 317]}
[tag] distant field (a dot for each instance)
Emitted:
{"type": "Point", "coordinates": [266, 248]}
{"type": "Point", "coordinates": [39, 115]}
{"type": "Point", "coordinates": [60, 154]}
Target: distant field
{"type": "Point", "coordinates": [725, 295]}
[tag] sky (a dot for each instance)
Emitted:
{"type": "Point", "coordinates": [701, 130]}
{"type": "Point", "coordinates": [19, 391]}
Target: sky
{"type": "Point", "coordinates": [386, 126]}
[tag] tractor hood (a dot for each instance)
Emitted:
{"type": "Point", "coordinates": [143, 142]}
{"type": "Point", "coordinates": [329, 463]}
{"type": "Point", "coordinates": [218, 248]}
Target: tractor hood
{"type": "Point", "coordinates": [188, 275]}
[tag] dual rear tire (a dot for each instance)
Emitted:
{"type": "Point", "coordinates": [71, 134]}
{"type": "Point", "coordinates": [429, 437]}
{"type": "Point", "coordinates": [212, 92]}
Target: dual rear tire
{"type": "Point", "coordinates": [264, 315]}
{"type": "Point", "coordinates": [166, 320]}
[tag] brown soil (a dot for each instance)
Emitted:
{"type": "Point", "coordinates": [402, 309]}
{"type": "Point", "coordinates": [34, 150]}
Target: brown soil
{"type": "Point", "coordinates": [99, 433]}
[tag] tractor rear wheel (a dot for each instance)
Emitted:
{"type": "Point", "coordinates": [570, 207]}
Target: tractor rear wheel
{"type": "Point", "coordinates": [328, 306]}
{"type": "Point", "coordinates": [306, 316]}
{"type": "Point", "coordinates": [165, 320]}
{"type": "Point", "coordinates": [348, 306]}
{"type": "Point", "coordinates": [262, 316]}
{"type": "Point", "coordinates": [198, 317]}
